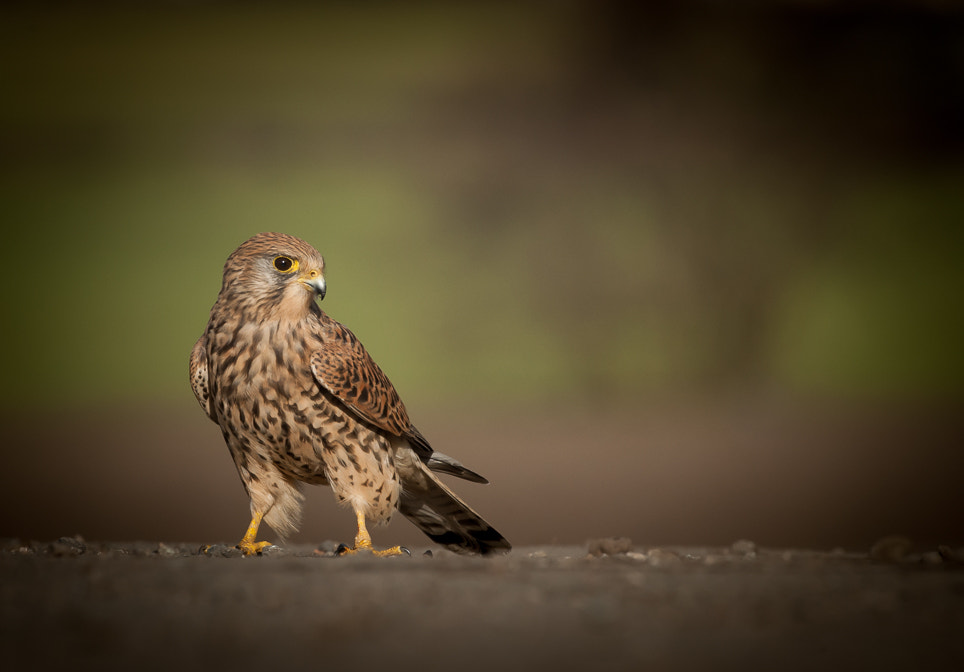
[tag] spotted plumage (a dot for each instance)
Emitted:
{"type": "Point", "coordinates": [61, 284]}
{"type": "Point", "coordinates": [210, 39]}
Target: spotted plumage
{"type": "Point", "coordinates": [299, 400]}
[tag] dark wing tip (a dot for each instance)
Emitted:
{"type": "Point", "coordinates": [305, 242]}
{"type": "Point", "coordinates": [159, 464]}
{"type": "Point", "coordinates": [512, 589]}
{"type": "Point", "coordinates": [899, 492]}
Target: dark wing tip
{"type": "Point", "coordinates": [443, 464]}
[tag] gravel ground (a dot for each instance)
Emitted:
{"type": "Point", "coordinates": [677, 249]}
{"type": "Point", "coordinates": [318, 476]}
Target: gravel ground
{"type": "Point", "coordinates": [71, 604]}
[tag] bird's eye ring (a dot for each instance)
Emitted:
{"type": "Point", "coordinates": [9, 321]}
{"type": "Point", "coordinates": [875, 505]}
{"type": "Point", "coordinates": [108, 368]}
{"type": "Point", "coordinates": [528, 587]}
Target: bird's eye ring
{"type": "Point", "coordinates": [285, 264]}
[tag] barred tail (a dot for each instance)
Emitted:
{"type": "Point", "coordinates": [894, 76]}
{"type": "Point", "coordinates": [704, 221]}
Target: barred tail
{"type": "Point", "coordinates": [442, 516]}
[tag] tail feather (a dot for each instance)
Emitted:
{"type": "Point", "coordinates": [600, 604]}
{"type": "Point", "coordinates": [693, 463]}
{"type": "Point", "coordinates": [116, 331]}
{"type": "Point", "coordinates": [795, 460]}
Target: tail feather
{"type": "Point", "coordinates": [441, 515]}
{"type": "Point", "coordinates": [443, 464]}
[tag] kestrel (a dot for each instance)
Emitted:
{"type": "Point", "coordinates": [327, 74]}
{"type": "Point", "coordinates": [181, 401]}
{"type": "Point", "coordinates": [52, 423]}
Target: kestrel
{"type": "Point", "coordinates": [299, 400]}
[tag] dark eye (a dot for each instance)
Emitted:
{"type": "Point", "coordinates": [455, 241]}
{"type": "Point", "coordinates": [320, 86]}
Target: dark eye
{"type": "Point", "coordinates": [284, 264]}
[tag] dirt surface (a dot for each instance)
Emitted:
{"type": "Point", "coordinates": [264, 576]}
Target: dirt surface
{"type": "Point", "coordinates": [71, 604]}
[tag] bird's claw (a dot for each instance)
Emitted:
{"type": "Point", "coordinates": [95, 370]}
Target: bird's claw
{"type": "Point", "coordinates": [368, 548]}
{"type": "Point", "coordinates": [253, 547]}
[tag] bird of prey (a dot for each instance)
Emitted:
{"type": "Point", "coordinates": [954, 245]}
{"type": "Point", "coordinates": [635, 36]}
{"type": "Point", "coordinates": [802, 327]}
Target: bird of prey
{"type": "Point", "coordinates": [299, 400]}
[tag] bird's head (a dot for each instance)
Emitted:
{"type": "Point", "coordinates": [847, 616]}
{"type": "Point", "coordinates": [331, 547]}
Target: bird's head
{"type": "Point", "coordinates": [276, 273]}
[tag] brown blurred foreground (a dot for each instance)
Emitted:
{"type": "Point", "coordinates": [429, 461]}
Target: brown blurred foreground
{"type": "Point", "coordinates": [74, 605]}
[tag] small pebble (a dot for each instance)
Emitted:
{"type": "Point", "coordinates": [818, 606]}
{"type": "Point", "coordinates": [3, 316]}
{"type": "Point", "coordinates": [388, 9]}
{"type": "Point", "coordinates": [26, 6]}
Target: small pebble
{"type": "Point", "coordinates": [891, 549]}
{"type": "Point", "coordinates": [948, 555]}
{"type": "Point", "coordinates": [610, 546]}
{"type": "Point", "coordinates": [165, 551]}
{"type": "Point", "coordinates": [68, 546]}
{"type": "Point", "coordinates": [220, 550]}
{"type": "Point", "coordinates": [744, 547]}
{"type": "Point", "coordinates": [662, 558]}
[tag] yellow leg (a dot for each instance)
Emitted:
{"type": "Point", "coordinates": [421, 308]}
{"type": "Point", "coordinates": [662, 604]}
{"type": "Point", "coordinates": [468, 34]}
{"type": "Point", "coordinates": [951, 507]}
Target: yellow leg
{"type": "Point", "coordinates": [248, 545]}
{"type": "Point", "coordinates": [363, 543]}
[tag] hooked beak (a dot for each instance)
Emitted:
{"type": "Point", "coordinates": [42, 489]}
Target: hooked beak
{"type": "Point", "coordinates": [314, 281]}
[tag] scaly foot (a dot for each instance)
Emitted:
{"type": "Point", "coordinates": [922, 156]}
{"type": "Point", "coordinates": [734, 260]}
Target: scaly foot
{"type": "Point", "coordinates": [252, 547]}
{"type": "Point", "coordinates": [363, 543]}
{"type": "Point", "coordinates": [368, 548]}
{"type": "Point", "coordinates": [248, 545]}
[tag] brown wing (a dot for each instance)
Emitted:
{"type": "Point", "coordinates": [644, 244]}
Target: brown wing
{"type": "Point", "coordinates": [199, 376]}
{"type": "Point", "coordinates": [344, 368]}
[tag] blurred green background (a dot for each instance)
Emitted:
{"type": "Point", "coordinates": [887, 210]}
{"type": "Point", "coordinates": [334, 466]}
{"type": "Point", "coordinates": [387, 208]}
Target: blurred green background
{"type": "Point", "coordinates": [542, 210]}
